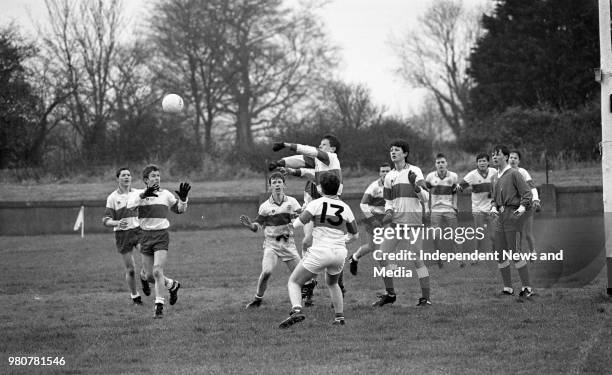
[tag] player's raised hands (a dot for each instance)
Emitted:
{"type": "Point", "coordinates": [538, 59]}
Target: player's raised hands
{"type": "Point", "coordinates": [278, 146]}
{"type": "Point", "coordinates": [246, 221]}
{"type": "Point", "coordinates": [149, 192]}
{"type": "Point", "coordinates": [183, 191]}
{"type": "Point", "coordinates": [412, 177]}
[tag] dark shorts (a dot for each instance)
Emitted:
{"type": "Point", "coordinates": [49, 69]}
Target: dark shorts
{"type": "Point", "coordinates": [507, 221]}
{"type": "Point", "coordinates": [126, 240]}
{"type": "Point", "coordinates": [154, 240]}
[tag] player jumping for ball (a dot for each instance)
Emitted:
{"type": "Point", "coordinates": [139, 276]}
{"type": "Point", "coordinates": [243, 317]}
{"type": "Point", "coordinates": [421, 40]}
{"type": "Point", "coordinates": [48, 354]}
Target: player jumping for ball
{"type": "Point", "coordinates": [310, 163]}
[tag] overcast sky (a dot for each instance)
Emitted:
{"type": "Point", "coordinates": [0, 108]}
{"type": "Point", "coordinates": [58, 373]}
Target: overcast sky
{"type": "Point", "coordinates": [361, 28]}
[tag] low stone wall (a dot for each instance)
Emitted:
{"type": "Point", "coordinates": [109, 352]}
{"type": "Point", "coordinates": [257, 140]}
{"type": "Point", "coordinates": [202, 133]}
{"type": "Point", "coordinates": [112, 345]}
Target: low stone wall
{"type": "Point", "coordinates": [56, 217]}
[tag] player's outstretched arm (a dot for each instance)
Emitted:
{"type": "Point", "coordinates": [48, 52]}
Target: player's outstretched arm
{"type": "Point", "coordinates": [246, 221]}
{"type": "Point", "coordinates": [183, 191]}
{"type": "Point", "coordinates": [304, 218]}
{"type": "Point", "coordinates": [180, 206]}
{"type": "Point", "coordinates": [307, 151]}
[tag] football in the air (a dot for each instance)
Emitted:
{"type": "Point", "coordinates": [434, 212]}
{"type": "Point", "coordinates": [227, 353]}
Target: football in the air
{"type": "Point", "coordinates": [172, 103]}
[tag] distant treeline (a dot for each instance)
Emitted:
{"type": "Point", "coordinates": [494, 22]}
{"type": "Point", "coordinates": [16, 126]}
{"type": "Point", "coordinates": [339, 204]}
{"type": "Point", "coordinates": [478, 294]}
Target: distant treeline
{"type": "Point", "coordinates": [81, 99]}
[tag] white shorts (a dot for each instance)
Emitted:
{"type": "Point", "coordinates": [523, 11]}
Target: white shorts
{"type": "Point", "coordinates": [329, 260]}
{"type": "Point", "coordinates": [284, 250]}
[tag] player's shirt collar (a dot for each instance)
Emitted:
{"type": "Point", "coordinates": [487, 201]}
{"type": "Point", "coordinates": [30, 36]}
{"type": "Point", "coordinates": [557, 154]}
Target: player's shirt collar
{"type": "Point", "coordinates": [272, 201]}
{"type": "Point", "coordinates": [127, 192]}
{"type": "Point", "coordinates": [406, 166]}
{"type": "Point", "coordinates": [483, 174]}
{"type": "Point", "coordinates": [501, 173]}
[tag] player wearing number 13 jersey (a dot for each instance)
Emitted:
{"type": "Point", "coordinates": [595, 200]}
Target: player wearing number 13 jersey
{"type": "Point", "coordinates": [332, 219]}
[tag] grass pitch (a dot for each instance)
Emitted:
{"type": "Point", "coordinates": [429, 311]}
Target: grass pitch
{"type": "Point", "coordinates": [66, 296]}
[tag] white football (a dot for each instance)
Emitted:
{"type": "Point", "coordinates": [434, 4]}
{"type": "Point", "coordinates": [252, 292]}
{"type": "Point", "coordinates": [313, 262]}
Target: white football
{"type": "Point", "coordinates": [172, 103]}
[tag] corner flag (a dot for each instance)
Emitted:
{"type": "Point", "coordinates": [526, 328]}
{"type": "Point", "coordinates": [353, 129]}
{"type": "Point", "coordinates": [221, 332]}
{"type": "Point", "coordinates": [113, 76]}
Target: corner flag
{"type": "Point", "coordinates": [80, 221]}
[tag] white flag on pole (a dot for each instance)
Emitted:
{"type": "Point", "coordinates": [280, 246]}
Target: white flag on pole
{"type": "Point", "coordinates": [80, 221]}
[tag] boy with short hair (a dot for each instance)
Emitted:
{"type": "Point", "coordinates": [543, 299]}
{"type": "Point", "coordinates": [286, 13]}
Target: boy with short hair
{"type": "Point", "coordinates": [125, 225]}
{"type": "Point", "coordinates": [443, 185]}
{"type": "Point", "coordinates": [153, 205]}
{"type": "Point", "coordinates": [274, 217]}
{"type": "Point", "coordinates": [373, 207]}
{"type": "Point", "coordinates": [331, 219]}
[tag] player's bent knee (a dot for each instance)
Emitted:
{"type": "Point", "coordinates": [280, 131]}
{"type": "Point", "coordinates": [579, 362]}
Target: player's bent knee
{"type": "Point", "coordinates": [332, 280]}
{"type": "Point", "coordinates": [158, 272]}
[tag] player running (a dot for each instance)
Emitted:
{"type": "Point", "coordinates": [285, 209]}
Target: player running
{"type": "Point", "coordinates": [331, 219]}
{"type": "Point", "coordinates": [153, 205]}
{"type": "Point", "coordinates": [127, 229]}
{"type": "Point", "coordinates": [373, 207]}
{"type": "Point", "coordinates": [274, 216]}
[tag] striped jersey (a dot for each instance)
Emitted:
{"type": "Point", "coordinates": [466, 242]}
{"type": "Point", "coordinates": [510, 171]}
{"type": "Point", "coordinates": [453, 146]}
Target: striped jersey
{"type": "Point", "coordinates": [332, 219]}
{"type": "Point", "coordinates": [441, 194]}
{"type": "Point", "coordinates": [400, 195]}
{"type": "Point", "coordinates": [530, 183]}
{"type": "Point", "coordinates": [373, 199]}
{"type": "Point", "coordinates": [116, 209]}
{"type": "Point", "coordinates": [323, 162]}
{"type": "Point", "coordinates": [153, 211]}
{"type": "Point", "coordinates": [276, 218]}
{"type": "Point", "coordinates": [481, 189]}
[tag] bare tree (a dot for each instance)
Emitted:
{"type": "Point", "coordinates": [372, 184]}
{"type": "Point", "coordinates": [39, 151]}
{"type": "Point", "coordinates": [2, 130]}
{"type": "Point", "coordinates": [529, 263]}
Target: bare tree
{"type": "Point", "coordinates": [188, 36]}
{"type": "Point", "coordinates": [434, 55]}
{"type": "Point", "coordinates": [81, 42]}
{"type": "Point", "coordinates": [275, 55]}
{"type": "Point", "coordinates": [430, 124]}
{"type": "Point", "coordinates": [52, 95]}
{"type": "Point", "coordinates": [350, 105]}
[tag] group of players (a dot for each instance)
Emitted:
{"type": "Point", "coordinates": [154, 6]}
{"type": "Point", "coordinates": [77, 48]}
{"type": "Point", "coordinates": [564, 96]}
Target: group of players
{"type": "Point", "coordinates": [503, 200]}
{"type": "Point", "coordinates": [140, 221]}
